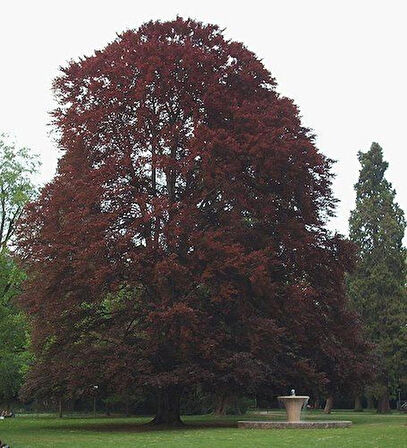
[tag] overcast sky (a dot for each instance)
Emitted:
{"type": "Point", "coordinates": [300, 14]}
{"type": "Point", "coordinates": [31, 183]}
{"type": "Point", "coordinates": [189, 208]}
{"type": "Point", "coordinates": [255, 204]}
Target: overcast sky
{"type": "Point", "coordinates": [343, 63]}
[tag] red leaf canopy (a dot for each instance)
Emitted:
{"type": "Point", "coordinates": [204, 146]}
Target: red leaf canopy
{"type": "Point", "coordinates": [182, 240]}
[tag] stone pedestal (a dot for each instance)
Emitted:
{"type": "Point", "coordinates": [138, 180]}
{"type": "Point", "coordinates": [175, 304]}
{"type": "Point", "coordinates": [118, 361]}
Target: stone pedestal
{"type": "Point", "coordinates": [293, 425]}
{"type": "Point", "coordinates": [293, 405]}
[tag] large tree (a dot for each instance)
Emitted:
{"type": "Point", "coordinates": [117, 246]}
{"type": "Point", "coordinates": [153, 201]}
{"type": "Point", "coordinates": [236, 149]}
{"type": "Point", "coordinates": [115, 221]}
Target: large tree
{"type": "Point", "coordinates": [183, 239]}
{"type": "Point", "coordinates": [16, 187]}
{"type": "Point", "coordinates": [377, 286]}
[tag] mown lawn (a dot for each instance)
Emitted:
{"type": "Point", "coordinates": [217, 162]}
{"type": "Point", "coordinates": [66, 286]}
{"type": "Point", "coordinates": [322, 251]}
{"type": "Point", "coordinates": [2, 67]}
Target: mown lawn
{"type": "Point", "coordinates": [369, 430]}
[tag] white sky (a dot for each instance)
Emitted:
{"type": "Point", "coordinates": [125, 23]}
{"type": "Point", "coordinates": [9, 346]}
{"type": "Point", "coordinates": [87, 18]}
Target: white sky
{"type": "Point", "coordinates": [343, 62]}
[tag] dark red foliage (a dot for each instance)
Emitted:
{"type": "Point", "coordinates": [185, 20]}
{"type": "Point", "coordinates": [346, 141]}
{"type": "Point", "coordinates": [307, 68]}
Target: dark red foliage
{"type": "Point", "coordinates": [182, 240]}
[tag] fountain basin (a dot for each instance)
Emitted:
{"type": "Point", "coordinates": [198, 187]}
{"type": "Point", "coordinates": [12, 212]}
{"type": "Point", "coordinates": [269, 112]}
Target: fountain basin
{"type": "Point", "coordinates": [293, 425]}
{"type": "Point", "coordinates": [293, 405]}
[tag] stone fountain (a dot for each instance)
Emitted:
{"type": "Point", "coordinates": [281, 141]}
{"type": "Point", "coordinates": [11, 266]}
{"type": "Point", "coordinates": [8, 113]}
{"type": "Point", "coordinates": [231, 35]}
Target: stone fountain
{"type": "Point", "coordinates": [293, 405]}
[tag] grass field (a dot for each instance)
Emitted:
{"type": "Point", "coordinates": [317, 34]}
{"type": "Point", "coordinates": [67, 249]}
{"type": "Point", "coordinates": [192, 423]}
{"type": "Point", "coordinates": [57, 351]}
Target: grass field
{"type": "Point", "coordinates": [369, 430]}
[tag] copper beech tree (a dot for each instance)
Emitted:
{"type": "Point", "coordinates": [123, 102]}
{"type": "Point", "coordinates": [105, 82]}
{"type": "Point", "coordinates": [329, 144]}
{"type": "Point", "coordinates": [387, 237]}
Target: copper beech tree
{"type": "Point", "coordinates": [183, 239]}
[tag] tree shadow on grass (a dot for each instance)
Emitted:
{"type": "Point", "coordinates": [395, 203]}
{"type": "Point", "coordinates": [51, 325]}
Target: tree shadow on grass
{"type": "Point", "coordinates": [141, 427]}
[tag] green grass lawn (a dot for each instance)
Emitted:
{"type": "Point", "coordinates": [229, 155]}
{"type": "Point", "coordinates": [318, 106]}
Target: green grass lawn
{"type": "Point", "coordinates": [369, 430]}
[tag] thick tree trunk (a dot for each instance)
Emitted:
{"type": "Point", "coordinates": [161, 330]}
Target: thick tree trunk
{"type": "Point", "coordinates": [329, 405]}
{"type": "Point", "coordinates": [358, 404]}
{"type": "Point", "coordinates": [221, 405]}
{"type": "Point", "coordinates": [370, 403]}
{"type": "Point", "coordinates": [383, 406]}
{"type": "Point", "coordinates": [227, 400]}
{"type": "Point", "coordinates": [168, 408]}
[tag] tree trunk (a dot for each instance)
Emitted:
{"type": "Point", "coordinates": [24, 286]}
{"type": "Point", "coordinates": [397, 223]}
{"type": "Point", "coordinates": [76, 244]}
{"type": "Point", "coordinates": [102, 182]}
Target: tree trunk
{"type": "Point", "coordinates": [221, 405]}
{"type": "Point", "coordinates": [370, 403]}
{"type": "Point", "coordinates": [358, 404]}
{"type": "Point", "coordinates": [168, 408]}
{"type": "Point", "coordinates": [383, 406]}
{"type": "Point", "coordinates": [328, 405]}
{"type": "Point", "coordinates": [60, 408]}
{"type": "Point", "coordinates": [127, 408]}
{"type": "Point", "coordinates": [236, 408]}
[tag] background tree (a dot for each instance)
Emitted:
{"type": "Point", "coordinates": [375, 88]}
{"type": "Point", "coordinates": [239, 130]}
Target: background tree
{"type": "Point", "coordinates": [17, 165]}
{"type": "Point", "coordinates": [183, 240]}
{"type": "Point", "coordinates": [14, 355]}
{"type": "Point", "coordinates": [16, 188]}
{"type": "Point", "coordinates": [377, 286]}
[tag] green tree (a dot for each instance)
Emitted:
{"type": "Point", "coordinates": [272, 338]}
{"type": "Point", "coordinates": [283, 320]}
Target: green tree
{"type": "Point", "coordinates": [377, 287]}
{"type": "Point", "coordinates": [16, 187]}
{"type": "Point", "coordinates": [17, 165]}
{"type": "Point", "coordinates": [13, 336]}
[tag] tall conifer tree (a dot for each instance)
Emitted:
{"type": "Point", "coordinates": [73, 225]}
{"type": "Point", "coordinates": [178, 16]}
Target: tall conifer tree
{"type": "Point", "coordinates": [377, 286]}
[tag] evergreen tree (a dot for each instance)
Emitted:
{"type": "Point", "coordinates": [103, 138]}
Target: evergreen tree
{"type": "Point", "coordinates": [377, 286]}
